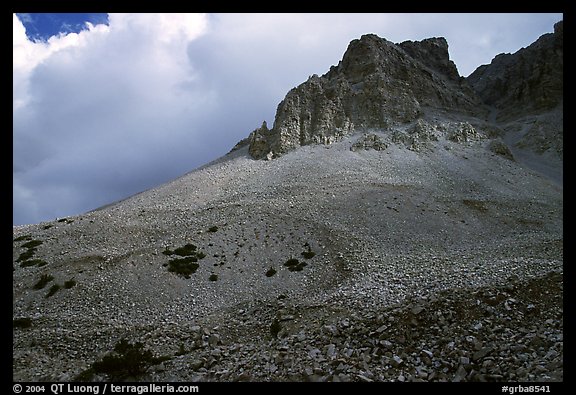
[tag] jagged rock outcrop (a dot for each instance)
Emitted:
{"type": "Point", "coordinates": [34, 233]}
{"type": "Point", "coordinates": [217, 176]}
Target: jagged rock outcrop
{"type": "Point", "coordinates": [500, 148]}
{"type": "Point", "coordinates": [525, 91]}
{"type": "Point", "coordinates": [433, 52]}
{"type": "Point", "coordinates": [377, 84]}
{"type": "Point", "coordinates": [529, 81]}
{"type": "Point", "coordinates": [369, 141]}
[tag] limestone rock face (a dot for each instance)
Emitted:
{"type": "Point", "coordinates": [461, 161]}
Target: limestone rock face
{"type": "Point", "coordinates": [369, 141]}
{"type": "Point", "coordinates": [433, 52]}
{"type": "Point", "coordinates": [376, 85]}
{"type": "Point", "coordinates": [527, 82]}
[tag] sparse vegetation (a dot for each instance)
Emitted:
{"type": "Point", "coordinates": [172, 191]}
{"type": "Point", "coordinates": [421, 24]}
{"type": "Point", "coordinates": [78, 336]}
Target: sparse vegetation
{"type": "Point", "coordinates": [183, 266]}
{"type": "Point", "coordinates": [26, 255]}
{"type": "Point", "coordinates": [32, 244]}
{"type": "Point", "coordinates": [270, 272]}
{"type": "Point", "coordinates": [29, 253]}
{"type": "Point", "coordinates": [33, 262]}
{"type": "Point", "coordinates": [275, 327]}
{"type": "Point", "coordinates": [69, 284]}
{"type": "Point", "coordinates": [127, 360]}
{"type": "Point", "coordinates": [22, 323]}
{"type": "Point", "coordinates": [44, 279]}
{"type": "Point", "coordinates": [187, 250]}
{"type": "Point", "coordinates": [213, 229]}
{"type": "Point", "coordinates": [53, 289]}
{"type": "Point", "coordinates": [186, 265]}
{"type": "Point", "coordinates": [23, 237]}
{"type": "Point", "coordinates": [294, 265]}
{"type": "Point", "coordinates": [308, 254]}
{"type": "Point", "coordinates": [213, 277]}
{"type": "Point", "coordinates": [47, 226]}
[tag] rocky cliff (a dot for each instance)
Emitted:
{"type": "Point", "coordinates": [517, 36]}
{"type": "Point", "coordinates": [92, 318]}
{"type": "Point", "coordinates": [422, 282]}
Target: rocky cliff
{"type": "Point", "coordinates": [376, 85]}
{"type": "Point", "coordinates": [529, 81]}
{"type": "Point", "coordinates": [525, 91]}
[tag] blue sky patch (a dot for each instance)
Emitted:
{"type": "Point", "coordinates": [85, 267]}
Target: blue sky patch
{"type": "Point", "coordinates": [42, 26]}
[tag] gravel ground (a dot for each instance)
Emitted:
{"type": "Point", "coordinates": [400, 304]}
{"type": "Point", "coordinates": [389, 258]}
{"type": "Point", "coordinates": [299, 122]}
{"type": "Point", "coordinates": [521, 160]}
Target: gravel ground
{"type": "Point", "coordinates": [438, 264]}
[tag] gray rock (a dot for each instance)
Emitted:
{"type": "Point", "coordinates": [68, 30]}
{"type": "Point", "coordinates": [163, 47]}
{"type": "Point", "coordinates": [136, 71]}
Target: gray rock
{"type": "Point", "coordinates": [478, 355]}
{"type": "Point", "coordinates": [500, 148]}
{"type": "Point", "coordinates": [376, 85]}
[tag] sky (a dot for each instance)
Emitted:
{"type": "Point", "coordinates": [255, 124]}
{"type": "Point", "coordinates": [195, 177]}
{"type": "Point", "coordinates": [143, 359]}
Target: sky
{"type": "Point", "coordinates": [109, 105]}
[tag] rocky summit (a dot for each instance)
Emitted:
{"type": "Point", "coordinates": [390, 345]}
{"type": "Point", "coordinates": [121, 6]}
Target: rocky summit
{"type": "Point", "coordinates": [377, 85]}
{"type": "Point", "coordinates": [407, 225]}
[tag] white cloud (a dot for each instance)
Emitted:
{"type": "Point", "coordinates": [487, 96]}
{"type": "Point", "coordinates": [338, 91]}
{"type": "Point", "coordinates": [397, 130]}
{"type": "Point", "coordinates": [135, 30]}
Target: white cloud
{"type": "Point", "coordinates": [112, 110]}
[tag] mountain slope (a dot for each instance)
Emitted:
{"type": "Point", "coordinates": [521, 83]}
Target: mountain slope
{"type": "Point", "coordinates": [349, 261]}
{"type": "Point", "coordinates": [525, 91]}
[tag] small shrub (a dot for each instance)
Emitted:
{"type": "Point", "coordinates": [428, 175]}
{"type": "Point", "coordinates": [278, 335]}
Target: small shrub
{"type": "Point", "coordinates": [187, 250]}
{"type": "Point", "coordinates": [213, 229]}
{"type": "Point", "coordinates": [33, 262]}
{"type": "Point", "coordinates": [32, 244]}
{"type": "Point", "coordinates": [275, 327]}
{"type": "Point", "coordinates": [294, 265]}
{"type": "Point", "coordinates": [128, 360]}
{"type": "Point", "coordinates": [308, 254]}
{"type": "Point", "coordinates": [47, 226]}
{"type": "Point", "coordinates": [53, 289]}
{"type": "Point", "coordinates": [186, 265]}
{"type": "Point", "coordinates": [270, 272]}
{"type": "Point", "coordinates": [69, 284]}
{"type": "Point", "coordinates": [62, 220]}
{"type": "Point", "coordinates": [23, 237]}
{"type": "Point", "coordinates": [22, 323]}
{"type": "Point", "coordinates": [44, 279]}
{"type": "Point", "coordinates": [183, 266]}
{"type": "Point", "coordinates": [213, 277]}
{"type": "Point", "coordinates": [292, 262]}
{"type": "Point", "coordinates": [26, 255]}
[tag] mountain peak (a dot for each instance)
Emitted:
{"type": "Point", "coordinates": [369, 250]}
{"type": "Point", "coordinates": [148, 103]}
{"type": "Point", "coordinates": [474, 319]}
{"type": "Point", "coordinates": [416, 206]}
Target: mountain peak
{"type": "Point", "coordinates": [376, 85]}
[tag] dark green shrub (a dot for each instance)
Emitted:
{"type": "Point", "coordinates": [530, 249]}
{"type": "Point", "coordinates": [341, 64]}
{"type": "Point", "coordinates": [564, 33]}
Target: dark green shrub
{"type": "Point", "coordinates": [47, 226]}
{"type": "Point", "coordinates": [275, 327]}
{"type": "Point", "coordinates": [291, 262]}
{"type": "Point", "coordinates": [186, 265]}
{"type": "Point", "coordinates": [32, 244]}
{"type": "Point", "coordinates": [44, 279]}
{"type": "Point", "coordinates": [294, 265]}
{"type": "Point", "coordinates": [128, 360]}
{"type": "Point", "coordinates": [53, 289]}
{"type": "Point", "coordinates": [183, 266]}
{"type": "Point", "coordinates": [69, 284]}
{"type": "Point", "coordinates": [213, 277]}
{"type": "Point", "coordinates": [22, 323]}
{"type": "Point", "coordinates": [270, 272]}
{"type": "Point", "coordinates": [308, 254]}
{"type": "Point", "coordinates": [23, 237]}
{"type": "Point", "coordinates": [26, 255]}
{"type": "Point", "coordinates": [187, 250]}
{"type": "Point", "coordinates": [213, 229]}
{"type": "Point", "coordinates": [33, 262]}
